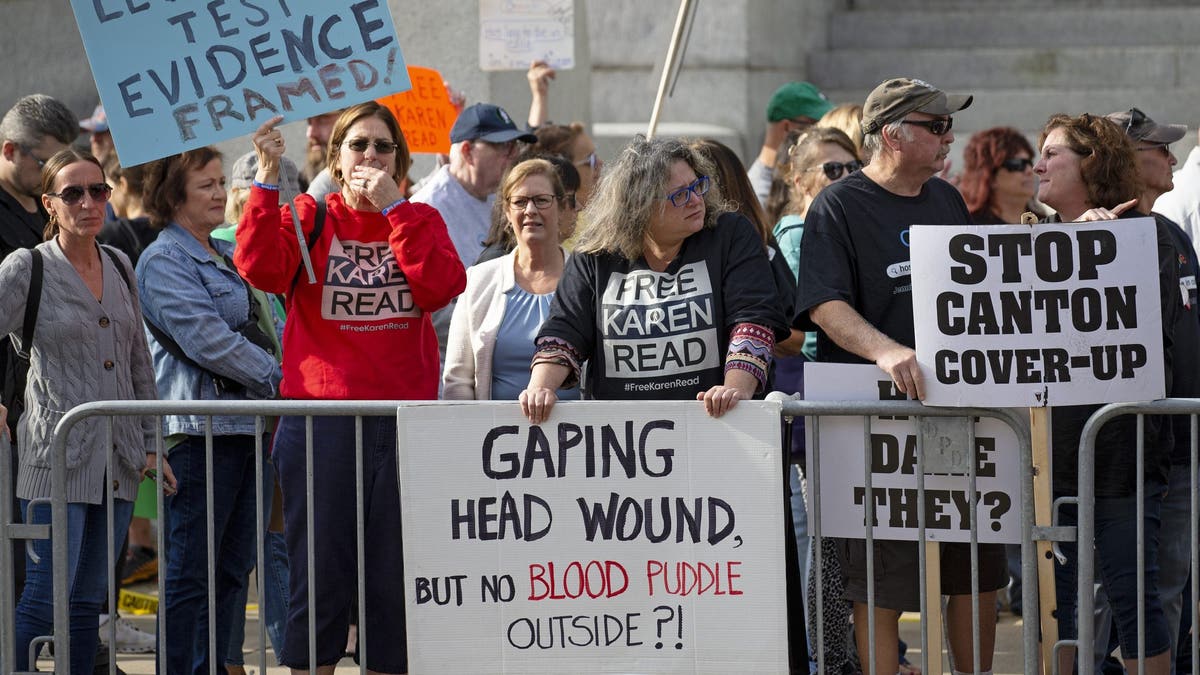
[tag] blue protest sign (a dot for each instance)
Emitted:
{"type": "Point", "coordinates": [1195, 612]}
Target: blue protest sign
{"type": "Point", "coordinates": [180, 75]}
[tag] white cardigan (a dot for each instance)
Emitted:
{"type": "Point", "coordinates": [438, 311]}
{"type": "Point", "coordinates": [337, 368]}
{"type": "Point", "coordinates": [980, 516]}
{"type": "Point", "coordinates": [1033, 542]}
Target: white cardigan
{"type": "Point", "coordinates": [468, 372]}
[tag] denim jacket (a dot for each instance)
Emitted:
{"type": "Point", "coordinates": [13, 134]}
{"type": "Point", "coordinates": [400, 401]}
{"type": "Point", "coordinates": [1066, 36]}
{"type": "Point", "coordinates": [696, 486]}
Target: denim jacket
{"type": "Point", "coordinates": [201, 303]}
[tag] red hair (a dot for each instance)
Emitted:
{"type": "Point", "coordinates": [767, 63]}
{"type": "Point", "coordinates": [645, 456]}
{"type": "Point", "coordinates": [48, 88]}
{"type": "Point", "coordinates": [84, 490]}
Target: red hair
{"type": "Point", "coordinates": [982, 157]}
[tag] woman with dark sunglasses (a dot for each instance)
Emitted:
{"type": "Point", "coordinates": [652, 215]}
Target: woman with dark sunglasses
{"type": "Point", "coordinates": [89, 346]}
{"type": "Point", "coordinates": [997, 181]}
{"type": "Point", "coordinates": [820, 157]}
{"type": "Point", "coordinates": [360, 330]}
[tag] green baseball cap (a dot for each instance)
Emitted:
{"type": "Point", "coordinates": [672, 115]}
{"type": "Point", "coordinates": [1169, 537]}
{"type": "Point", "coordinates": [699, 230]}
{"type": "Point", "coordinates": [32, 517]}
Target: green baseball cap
{"type": "Point", "coordinates": [797, 99]}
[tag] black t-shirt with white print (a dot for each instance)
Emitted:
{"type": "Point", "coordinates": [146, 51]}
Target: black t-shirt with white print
{"type": "Point", "coordinates": [664, 335]}
{"type": "Point", "coordinates": [855, 247]}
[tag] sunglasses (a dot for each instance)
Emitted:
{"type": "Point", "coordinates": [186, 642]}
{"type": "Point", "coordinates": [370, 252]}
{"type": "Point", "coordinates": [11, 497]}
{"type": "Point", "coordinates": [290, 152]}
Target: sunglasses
{"type": "Point", "coordinates": [73, 194]}
{"type": "Point", "coordinates": [834, 170]}
{"type": "Point", "coordinates": [590, 160]}
{"type": "Point", "coordinates": [381, 146]}
{"type": "Point", "coordinates": [683, 195]}
{"type": "Point", "coordinates": [1165, 147]}
{"type": "Point", "coordinates": [1137, 119]}
{"type": "Point", "coordinates": [540, 202]}
{"type": "Point", "coordinates": [938, 127]}
{"type": "Point", "coordinates": [1016, 164]}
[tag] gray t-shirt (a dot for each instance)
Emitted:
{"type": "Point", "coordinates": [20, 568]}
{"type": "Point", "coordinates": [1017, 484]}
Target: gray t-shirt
{"type": "Point", "coordinates": [468, 220]}
{"type": "Point", "coordinates": [760, 176]}
{"type": "Point", "coordinates": [467, 217]}
{"type": "Point", "coordinates": [322, 184]}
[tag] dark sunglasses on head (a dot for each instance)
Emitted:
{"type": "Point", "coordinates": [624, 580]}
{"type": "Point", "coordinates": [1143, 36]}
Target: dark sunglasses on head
{"type": "Point", "coordinates": [938, 127]}
{"type": "Point", "coordinates": [73, 194]}
{"type": "Point", "coordinates": [1016, 164]}
{"type": "Point", "coordinates": [1137, 118]}
{"type": "Point", "coordinates": [381, 146]}
{"type": "Point", "coordinates": [834, 170]}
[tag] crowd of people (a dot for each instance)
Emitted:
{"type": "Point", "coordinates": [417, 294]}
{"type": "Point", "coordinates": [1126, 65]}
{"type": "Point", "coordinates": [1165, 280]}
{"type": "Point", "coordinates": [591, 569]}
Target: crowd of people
{"type": "Point", "coordinates": [525, 268]}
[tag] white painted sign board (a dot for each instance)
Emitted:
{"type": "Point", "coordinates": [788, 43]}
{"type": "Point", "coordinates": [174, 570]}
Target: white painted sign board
{"type": "Point", "coordinates": [893, 442]}
{"type": "Point", "coordinates": [1041, 315]}
{"type": "Point", "coordinates": [618, 537]}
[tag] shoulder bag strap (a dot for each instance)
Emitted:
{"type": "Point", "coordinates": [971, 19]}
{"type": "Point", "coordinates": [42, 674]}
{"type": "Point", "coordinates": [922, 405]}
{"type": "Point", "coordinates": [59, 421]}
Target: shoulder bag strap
{"type": "Point", "coordinates": [32, 304]}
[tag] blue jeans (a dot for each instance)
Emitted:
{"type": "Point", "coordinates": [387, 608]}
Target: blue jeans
{"type": "Point", "coordinates": [186, 605]}
{"type": "Point", "coordinates": [273, 605]}
{"type": "Point", "coordinates": [87, 555]}
{"type": "Point", "coordinates": [1116, 566]}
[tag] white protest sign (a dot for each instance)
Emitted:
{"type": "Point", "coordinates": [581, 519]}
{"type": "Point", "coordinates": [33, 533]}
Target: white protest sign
{"type": "Point", "coordinates": [514, 34]}
{"type": "Point", "coordinates": [1041, 315]}
{"type": "Point", "coordinates": [619, 537]}
{"type": "Point", "coordinates": [180, 75]}
{"type": "Point", "coordinates": [842, 480]}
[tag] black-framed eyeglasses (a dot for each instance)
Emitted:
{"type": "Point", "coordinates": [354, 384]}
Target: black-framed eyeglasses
{"type": "Point", "coordinates": [938, 127]}
{"type": "Point", "coordinates": [381, 146]}
{"type": "Point", "coordinates": [540, 202]}
{"type": "Point", "coordinates": [834, 170]}
{"type": "Point", "coordinates": [1016, 164]}
{"type": "Point", "coordinates": [590, 160]}
{"type": "Point", "coordinates": [73, 194]}
{"type": "Point", "coordinates": [40, 162]}
{"type": "Point", "coordinates": [683, 195]}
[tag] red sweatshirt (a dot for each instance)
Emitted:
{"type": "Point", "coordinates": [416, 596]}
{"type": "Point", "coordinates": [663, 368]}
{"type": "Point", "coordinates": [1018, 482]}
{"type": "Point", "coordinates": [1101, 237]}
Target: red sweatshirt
{"type": "Point", "coordinates": [363, 330]}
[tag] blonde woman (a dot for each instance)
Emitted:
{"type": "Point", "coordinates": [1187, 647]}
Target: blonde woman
{"type": "Point", "coordinates": [508, 298]}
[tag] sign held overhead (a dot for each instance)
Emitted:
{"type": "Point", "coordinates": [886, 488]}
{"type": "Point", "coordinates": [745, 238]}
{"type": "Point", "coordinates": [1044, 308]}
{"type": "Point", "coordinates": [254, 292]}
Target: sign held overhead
{"type": "Point", "coordinates": [177, 76]}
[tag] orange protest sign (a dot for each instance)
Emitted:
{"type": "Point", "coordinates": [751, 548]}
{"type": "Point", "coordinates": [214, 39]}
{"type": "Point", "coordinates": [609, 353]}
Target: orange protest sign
{"type": "Point", "coordinates": [424, 112]}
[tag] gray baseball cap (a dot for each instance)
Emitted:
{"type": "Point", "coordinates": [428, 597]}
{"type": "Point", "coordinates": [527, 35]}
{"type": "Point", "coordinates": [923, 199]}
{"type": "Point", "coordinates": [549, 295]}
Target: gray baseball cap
{"type": "Point", "coordinates": [897, 97]}
{"type": "Point", "coordinates": [1139, 127]}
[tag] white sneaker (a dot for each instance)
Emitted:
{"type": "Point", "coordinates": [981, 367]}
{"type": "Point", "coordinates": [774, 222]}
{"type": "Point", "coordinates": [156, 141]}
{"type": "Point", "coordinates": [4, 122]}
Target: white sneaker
{"type": "Point", "coordinates": [130, 638]}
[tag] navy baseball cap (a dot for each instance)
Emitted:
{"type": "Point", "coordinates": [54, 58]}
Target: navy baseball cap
{"type": "Point", "coordinates": [487, 122]}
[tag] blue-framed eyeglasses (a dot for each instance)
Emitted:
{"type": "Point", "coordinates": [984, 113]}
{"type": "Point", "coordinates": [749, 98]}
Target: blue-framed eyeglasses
{"type": "Point", "coordinates": [683, 195]}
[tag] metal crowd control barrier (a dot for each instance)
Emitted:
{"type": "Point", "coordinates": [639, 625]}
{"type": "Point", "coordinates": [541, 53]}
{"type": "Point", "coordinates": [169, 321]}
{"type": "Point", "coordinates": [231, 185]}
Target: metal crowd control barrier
{"type": "Point", "coordinates": [1087, 521]}
{"type": "Point", "coordinates": [1015, 419]}
{"type": "Point", "coordinates": [260, 409]}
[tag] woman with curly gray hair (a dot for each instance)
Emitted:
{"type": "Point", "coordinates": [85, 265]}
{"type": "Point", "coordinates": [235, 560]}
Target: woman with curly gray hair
{"type": "Point", "coordinates": [668, 297]}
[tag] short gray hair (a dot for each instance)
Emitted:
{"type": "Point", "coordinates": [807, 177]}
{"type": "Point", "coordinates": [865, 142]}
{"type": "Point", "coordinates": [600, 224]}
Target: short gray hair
{"type": "Point", "coordinates": [873, 142]}
{"type": "Point", "coordinates": [620, 209]}
{"type": "Point", "coordinates": [35, 116]}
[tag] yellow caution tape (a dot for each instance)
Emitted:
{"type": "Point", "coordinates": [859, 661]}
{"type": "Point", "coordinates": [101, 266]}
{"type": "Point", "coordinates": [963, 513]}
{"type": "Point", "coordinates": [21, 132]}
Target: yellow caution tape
{"type": "Point", "coordinates": [137, 603]}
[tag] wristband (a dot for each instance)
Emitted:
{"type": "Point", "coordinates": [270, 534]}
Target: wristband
{"type": "Point", "coordinates": [266, 186]}
{"type": "Point", "coordinates": [388, 209]}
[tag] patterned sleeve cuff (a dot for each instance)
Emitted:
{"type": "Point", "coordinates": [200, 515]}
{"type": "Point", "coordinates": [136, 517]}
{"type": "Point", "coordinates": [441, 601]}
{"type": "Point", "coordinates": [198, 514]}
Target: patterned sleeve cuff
{"type": "Point", "coordinates": [750, 348]}
{"type": "Point", "coordinates": [558, 351]}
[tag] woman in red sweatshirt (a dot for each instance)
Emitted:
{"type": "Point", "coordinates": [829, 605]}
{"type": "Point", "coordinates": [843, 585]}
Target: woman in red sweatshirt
{"type": "Point", "coordinates": [362, 331]}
